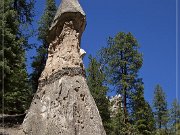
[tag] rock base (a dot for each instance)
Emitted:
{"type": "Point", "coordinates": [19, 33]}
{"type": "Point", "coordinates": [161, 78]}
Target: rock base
{"type": "Point", "coordinates": [64, 107]}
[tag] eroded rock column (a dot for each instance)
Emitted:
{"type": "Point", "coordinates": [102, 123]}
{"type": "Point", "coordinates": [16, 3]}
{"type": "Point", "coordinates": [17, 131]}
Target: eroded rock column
{"type": "Point", "coordinates": [63, 104]}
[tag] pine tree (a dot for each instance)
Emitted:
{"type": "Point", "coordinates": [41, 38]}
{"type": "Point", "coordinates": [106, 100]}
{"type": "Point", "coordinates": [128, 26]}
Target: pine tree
{"type": "Point", "coordinates": [95, 81]}
{"type": "Point", "coordinates": [119, 127]}
{"type": "Point", "coordinates": [142, 115]}
{"type": "Point", "coordinates": [121, 62]}
{"type": "Point", "coordinates": [175, 117]}
{"type": "Point", "coordinates": [14, 42]}
{"type": "Point", "coordinates": [160, 110]}
{"type": "Point", "coordinates": [39, 61]}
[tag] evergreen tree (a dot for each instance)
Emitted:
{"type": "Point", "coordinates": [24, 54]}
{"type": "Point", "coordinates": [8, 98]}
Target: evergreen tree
{"type": "Point", "coordinates": [14, 41]}
{"type": "Point", "coordinates": [175, 117]}
{"type": "Point", "coordinates": [121, 62]}
{"type": "Point", "coordinates": [95, 81]}
{"type": "Point", "coordinates": [39, 61]}
{"type": "Point", "coordinates": [160, 110]}
{"type": "Point", "coordinates": [119, 127]}
{"type": "Point", "coordinates": [142, 115]}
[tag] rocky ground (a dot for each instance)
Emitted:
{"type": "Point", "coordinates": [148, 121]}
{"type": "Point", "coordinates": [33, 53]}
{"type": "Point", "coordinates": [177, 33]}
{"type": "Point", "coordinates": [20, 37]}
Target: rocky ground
{"type": "Point", "coordinates": [11, 131]}
{"type": "Point", "coordinates": [11, 124]}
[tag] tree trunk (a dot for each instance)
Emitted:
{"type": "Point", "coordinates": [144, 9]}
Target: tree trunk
{"type": "Point", "coordinates": [125, 107]}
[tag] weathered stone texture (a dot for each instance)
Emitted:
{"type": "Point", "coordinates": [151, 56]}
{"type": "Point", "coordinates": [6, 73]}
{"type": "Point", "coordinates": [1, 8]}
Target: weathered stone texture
{"type": "Point", "coordinates": [67, 7]}
{"type": "Point", "coordinates": [116, 102]}
{"type": "Point", "coordinates": [64, 51]}
{"type": "Point", "coordinates": [64, 107]}
{"type": "Point", "coordinates": [69, 10]}
{"type": "Point", "coordinates": [63, 104]}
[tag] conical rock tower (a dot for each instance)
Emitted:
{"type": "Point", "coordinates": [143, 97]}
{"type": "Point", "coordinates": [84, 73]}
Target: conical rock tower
{"type": "Point", "coordinates": [63, 104]}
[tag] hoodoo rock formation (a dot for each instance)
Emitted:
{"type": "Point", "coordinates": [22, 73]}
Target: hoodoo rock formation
{"type": "Point", "coordinates": [63, 104]}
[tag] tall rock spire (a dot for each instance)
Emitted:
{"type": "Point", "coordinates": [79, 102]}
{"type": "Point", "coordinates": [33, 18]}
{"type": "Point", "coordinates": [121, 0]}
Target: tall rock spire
{"type": "Point", "coordinates": [63, 104]}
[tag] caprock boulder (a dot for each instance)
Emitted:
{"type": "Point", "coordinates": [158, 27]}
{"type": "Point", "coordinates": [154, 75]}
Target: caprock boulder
{"type": "Point", "coordinates": [63, 104]}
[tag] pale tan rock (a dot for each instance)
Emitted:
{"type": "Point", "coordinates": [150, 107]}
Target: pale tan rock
{"type": "Point", "coordinates": [11, 131]}
{"type": "Point", "coordinates": [116, 103]}
{"type": "Point", "coordinates": [64, 51]}
{"type": "Point", "coordinates": [63, 104]}
{"type": "Point", "coordinates": [64, 107]}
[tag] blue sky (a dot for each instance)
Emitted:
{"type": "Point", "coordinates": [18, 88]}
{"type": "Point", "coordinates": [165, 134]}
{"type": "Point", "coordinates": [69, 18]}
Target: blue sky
{"type": "Point", "coordinates": [152, 22]}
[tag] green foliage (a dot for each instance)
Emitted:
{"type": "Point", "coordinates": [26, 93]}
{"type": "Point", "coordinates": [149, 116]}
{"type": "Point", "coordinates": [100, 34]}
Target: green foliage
{"type": "Point", "coordinates": [39, 61]}
{"type": "Point", "coordinates": [95, 80]}
{"type": "Point", "coordinates": [119, 127]}
{"type": "Point", "coordinates": [175, 117]}
{"type": "Point", "coordinates": [122, 62]}
{"type": "Point", "coordinates": [177, 127]}
{"type": "Point", "coordinates": [17, 92]}
{"type": "Point", "coordinates": [141, 114]}
{"type": "Point", "coordinates": [46, 21]}
{"type": "Point", "coordinates": [160, 107]}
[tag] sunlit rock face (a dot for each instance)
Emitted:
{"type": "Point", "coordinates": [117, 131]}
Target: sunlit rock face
{"type": "Point", "coordinates": [63, 104]}
{"type": "Point", "coordinates": [64, 38]}
{"type": "Point", "coordinates": [64, 51]}
{"type": "Point", "coordinates": [115, 104]}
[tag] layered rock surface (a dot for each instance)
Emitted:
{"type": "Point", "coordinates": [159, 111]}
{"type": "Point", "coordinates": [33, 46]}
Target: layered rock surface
{"type": "Point", "coordinates": [63, 104]}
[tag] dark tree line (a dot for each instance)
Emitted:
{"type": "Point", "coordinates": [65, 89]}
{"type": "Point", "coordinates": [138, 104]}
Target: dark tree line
{"type": "Point", "coordinates": [15, 15]}
{"type": "Point", "coordinates": [18, 87]}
